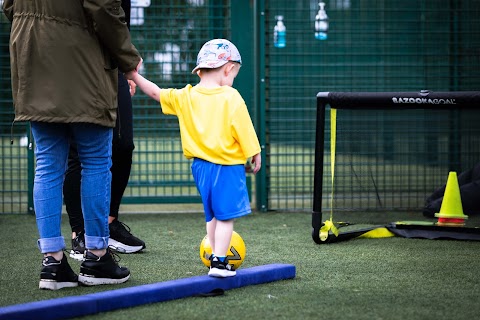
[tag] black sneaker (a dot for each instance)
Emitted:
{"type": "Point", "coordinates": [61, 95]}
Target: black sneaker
{"type": "Point", "coordinates": [57, 274]}
{"type": "Point", "coordinates": [121, 240]}
{"type": "Point", "coordinates": [221, 269]}
{"type": "Point", "coordinates": [78, 246]}
{"type": "Point", "coordinates": [103, 270]}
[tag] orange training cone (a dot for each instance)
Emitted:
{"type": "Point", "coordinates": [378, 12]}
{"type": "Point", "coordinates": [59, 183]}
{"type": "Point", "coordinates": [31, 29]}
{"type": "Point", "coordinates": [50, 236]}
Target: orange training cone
{"type": "Point", "coordinates": [451, 211]}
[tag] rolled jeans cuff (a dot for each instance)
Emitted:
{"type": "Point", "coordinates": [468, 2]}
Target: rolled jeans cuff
{"type": "Point", "coordinates": [51, 244]}
{"type": "Point", "coordinates": [96, 243]}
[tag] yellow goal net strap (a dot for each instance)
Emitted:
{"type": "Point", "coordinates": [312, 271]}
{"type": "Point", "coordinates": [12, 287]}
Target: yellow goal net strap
{"type": "Point", "coordinates": [328, 225]}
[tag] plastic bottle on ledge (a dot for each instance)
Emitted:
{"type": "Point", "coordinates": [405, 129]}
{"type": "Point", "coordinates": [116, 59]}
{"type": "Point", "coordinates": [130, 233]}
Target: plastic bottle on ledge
{"type": "Point", "coordinates": [321, 23]}
{"type": "Point", "coordinates": [279, 33]}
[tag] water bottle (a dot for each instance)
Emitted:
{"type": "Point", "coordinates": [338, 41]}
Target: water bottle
{"type": "Point", "coordinates": [321, 23]}
{"type": "Point", "coordinates": [279, 33]}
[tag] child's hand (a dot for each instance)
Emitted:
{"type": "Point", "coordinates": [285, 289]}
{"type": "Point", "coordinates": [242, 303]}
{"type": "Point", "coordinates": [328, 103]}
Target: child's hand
{"type": "Point", "coordinates": [129, 75]}
{"type": "Point", "coordinates": [257, 161]}
{"type": "Point", "coordinates": [132, 86]}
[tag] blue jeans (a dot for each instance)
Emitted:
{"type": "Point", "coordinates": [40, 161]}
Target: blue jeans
{"type": "Point", "coordinates": [94, 145]}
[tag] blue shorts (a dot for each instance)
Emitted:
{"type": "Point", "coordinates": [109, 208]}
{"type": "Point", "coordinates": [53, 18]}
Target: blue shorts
{"type": "Point", "coordinates": [223, 189]}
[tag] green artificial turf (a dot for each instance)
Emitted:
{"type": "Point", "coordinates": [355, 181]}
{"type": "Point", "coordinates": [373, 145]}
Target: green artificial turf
{"type": "Point", "coordinates": [390, 278]}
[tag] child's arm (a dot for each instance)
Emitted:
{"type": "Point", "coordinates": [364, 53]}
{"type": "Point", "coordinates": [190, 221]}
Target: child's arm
{"type": "Point", "coordinates": [148, 87]}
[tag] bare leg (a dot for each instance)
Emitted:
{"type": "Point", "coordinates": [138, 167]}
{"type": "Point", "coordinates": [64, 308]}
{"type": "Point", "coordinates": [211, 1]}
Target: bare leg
{"type": "Point", "coordinates": [211, 225]}
{"type": "Point", "coordinates": [223, 236]}
{"type": "Point", "coordinates": [222, 232]}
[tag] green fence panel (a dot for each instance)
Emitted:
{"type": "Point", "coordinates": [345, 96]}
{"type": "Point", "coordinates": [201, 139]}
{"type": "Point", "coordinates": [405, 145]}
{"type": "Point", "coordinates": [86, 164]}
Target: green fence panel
{"type": "Point", "coordinates": [372, 45]}
{"type": "Point", "coordinates": [15, 188]}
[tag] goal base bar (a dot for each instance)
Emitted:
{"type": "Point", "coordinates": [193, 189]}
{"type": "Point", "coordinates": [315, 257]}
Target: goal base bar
{"type": "Point", "coordinates": [406, 229]}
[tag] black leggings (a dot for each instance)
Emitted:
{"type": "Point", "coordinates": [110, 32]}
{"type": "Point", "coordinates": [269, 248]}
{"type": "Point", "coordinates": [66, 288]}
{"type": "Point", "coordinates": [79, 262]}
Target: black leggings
{"type": "Point", "coordinates": [122, 153]}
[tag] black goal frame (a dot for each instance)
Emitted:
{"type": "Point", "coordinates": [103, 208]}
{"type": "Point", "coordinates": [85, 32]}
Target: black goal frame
{"type": "Point", "coordinates": [423, 99]}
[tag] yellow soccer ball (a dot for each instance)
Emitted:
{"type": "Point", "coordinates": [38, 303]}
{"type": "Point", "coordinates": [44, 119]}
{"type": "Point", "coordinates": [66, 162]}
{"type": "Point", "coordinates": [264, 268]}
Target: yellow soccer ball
{"type": "Point", "coordinates": [235, 255]}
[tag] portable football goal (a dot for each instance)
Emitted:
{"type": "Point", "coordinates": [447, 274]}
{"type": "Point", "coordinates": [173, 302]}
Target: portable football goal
{"type": "Point", "coordinates": [388, 150]}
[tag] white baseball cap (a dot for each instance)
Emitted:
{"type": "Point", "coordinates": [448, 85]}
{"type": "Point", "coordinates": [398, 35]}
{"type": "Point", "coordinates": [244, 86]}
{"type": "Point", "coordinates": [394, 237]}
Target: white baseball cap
{"type": "Point", "coordinates": [215, 53]}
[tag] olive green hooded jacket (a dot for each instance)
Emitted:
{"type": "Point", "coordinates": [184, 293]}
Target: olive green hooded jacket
{"type": "Point", "coordinates": [64, 57]}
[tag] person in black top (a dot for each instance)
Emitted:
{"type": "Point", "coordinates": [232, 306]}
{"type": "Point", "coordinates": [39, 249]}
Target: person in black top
{"type": "Point", "coordinates": [121, 238]}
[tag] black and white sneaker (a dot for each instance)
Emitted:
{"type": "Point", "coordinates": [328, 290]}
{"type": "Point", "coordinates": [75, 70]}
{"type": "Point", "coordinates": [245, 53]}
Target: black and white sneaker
{"type": "Point", "coordinates": [78, 246]}
{"type": "Point", "coordinates": [102, 270]}
{"type": "Point", "coordinates": [121, 240]}
{"type": "Point", "coordinates": [221, 269]}
{"type": "Point", "coordinates": [57, 274]}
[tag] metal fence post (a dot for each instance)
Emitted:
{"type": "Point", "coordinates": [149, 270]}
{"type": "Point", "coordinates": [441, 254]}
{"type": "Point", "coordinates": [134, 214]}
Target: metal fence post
{"type": "Point", "coordinates": [261, 189]}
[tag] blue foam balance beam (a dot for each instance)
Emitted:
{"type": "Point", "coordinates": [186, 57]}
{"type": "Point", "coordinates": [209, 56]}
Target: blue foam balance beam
{"type": "Point", "coordinates": [77, 306]}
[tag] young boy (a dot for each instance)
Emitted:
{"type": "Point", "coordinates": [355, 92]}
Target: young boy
{"type": "Point", "coordinates": [218, 134]}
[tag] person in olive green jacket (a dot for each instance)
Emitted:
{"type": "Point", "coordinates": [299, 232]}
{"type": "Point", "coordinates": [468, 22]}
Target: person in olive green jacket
{"type": "Point", "coordinates": [64, 57]}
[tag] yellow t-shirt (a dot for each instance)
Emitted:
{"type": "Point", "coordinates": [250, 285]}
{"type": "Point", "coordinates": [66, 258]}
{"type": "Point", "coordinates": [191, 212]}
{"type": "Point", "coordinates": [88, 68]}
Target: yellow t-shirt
{"type": "Point", "coordinates": [214, 123]}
